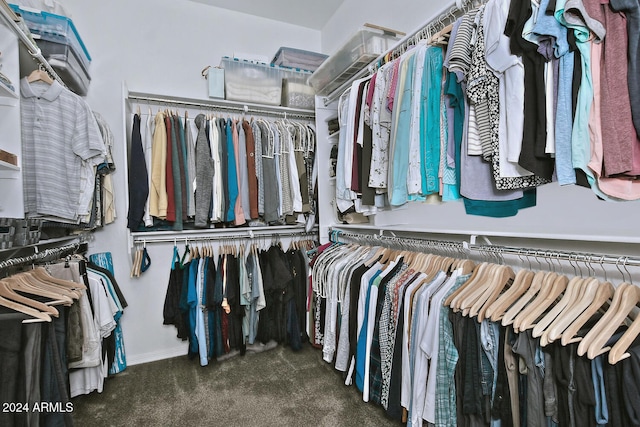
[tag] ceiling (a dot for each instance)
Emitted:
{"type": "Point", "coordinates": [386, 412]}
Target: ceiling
{"type": "Point", "coordinates": [312, 14]}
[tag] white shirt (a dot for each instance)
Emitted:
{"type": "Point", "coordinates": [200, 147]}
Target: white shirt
{"type": "Point", "coordinates": [510, 72]}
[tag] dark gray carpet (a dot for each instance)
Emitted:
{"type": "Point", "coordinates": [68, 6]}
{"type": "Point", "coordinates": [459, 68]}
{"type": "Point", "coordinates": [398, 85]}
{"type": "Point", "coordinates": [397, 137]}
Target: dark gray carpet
{"type": "Point", "coordinates": [275, 388]}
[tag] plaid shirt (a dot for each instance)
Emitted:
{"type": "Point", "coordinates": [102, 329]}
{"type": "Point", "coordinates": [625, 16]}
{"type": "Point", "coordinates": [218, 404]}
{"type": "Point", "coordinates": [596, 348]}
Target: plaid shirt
{"type": "Point", "coordinates": [445, 409]}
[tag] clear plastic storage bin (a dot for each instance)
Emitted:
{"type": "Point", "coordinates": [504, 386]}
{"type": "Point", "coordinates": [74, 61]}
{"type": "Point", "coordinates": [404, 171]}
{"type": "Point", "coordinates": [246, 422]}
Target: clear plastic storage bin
{"type": "Point", "coordinates": [365, 46]}
{"type": "Point", "coordinates": [253, 82]}
{"type": "Point", "coordinates": [298, 58]}
{"type": "Point", "coordinates": [296, 90]}
{"type": "Point", "coordinates": [54, 28]}
{"type": "Point", "coordinates": [65, 62]}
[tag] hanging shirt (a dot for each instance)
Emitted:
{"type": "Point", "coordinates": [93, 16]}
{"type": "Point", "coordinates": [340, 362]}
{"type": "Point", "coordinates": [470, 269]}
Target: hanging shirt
{"type": "Point", "coordinates": [400, 142]}
{"type": "Point", "coordinates": [430, 120]}
{"type": "Point", "coordinates": [619, 139]}
{"type": "Point", "coordinates": [258, 138]}
{"type": "Point", "coordinates": [244, 171]}
{"type": "Point", "coordinates": [147, 128]}
{"type": "Point", "coordinates": [190, 135]}
{"type": "Point", "coordinates": [232, 176]}
{"type": "Point", "coordinates": [510, 72]}
{"type": "Point", "coordinates": [381, 125]}
{"type": "Point", "coordinates": [74, 147]}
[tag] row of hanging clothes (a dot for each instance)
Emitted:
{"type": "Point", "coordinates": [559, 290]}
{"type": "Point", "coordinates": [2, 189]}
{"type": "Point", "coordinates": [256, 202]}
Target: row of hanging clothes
{"type": "Point", "coordinates": [216, 170]}
{"type": "Point", "coordinates": [513, 95]}
{"type": "Point", "coordinates": [61, 336]}
{"type": "Point", "coordinates": [448, 341]}
{"type": "Point", "coordinates": [228, 298]}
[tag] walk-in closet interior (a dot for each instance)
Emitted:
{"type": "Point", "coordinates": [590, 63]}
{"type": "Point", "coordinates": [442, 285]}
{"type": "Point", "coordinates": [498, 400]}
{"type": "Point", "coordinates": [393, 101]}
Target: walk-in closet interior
{"type": "Point", "coordinates": [330, 213]}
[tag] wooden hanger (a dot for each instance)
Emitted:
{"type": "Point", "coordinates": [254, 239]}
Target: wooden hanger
{"type": "Point", "coordinates": [39, 75]}
{"type": "Point", "coordinates": [35, 314]}
{"type": "Point", "coordinates": [619, 349]}
{"type": "Point", "coordinates": [520, 284]}
{"type": "Point", "coordinates": [603, 294]}
{"type": "Point", "coordinates": [56, 285]}
{"type": "Point", "coordinates": [452, 299]}
{"type": "Point", "coordinates": [502, 276]}
{"type": "Point", "coordinates": [588, 290]}
{"type": "Point", "coordinates": [19, 283]}
{"type": "Point", "coordinates": [548, 279]}
{"type": "Point", "coordinates": [9, 293]}
{"type": "Point", "coordinates": [520, 304]}
{"type": "Point", "coordinates": [135, 266]}
{"type": "Point", "coordinates": [42, 273]}
{"type": "Point", "coordinates": [622, 304]}
{"type": "Point", "coordinates": [568, 297]}
{"type": "Point", "coordinates": [547, 296]}
{"type": "Point", "coordinates": [484, 279]}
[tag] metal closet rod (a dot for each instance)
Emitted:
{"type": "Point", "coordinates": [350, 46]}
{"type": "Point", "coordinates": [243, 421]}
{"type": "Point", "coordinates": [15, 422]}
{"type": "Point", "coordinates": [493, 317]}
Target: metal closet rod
{"type": "Point", "coordinates": [39, 256]}
{"type": "Point", "coordinates": [249, 235]}
{"type": "Point", "coordinates": [408, 242]}
{"type": "Point", "coordinates": [618, 260]}
{"type": "Point", "coordinates": [426, 244]}
{"type": "Point", "coordinates": [216, 106]}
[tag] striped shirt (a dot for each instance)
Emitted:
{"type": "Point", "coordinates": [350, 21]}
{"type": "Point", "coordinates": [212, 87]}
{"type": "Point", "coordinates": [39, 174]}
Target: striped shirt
{"type": "Point", "coordinates": [61, 145]}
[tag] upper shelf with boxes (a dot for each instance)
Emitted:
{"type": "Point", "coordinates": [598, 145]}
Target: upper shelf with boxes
{"type": "Point", "coordinates": [59, 41]}
{"type": "Point", "coordinates": [284, 82]}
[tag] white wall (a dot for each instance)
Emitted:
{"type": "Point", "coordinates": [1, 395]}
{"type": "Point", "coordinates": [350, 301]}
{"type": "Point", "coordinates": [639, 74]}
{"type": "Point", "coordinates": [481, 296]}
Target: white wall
{"type": "Point", "coordinates": [160, 47]}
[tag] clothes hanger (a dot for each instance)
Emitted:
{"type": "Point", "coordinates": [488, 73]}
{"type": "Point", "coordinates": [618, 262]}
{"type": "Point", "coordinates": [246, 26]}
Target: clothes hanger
{"type": "Point", "coordinates": [452, 298]}
{"type": "Point", "coordinates": [43, 274]}
{"type": "Point", "coordinates": [568, 297]}
{"type": "Point", "coordinates": [135, 269]}
{"type": "Point", "coordinates": [603, 294]}
{"type": "Point", "coordinates": [619, 349]}
{"type": "Point", "coordinates": [548, 279]}
{"type": "Point", "coordinates": [488, 279]}
{"type": "Point", "coordinates": [21, 283]}
{"type": "Point", "coordinates": [622, 304]}
{"type": "Point", "coordinates": [600, 302]}
{"type": "Point", "coordinates": [519, 286]}
{"type": "Point", "coordinates": [546, 298]}
{"type": "Point", "coordinates": [41, 75]}
{"type": "Point", "coordinates": [39, 278]}
{"type": "Point", "coordinates": [471, 286]}
{"type": "Point", "coordinates": [38, 316]}
{"type": "Point", "coordinates": [505, 276]}
{"type": "Point", "coordinates": [9, 293]}
{"type": "Point", "coordinates": [588, 290]}
{"type": "Point", "coordinates": [532, 291]}
{"type": "Point", "coordinates": [146, 259]}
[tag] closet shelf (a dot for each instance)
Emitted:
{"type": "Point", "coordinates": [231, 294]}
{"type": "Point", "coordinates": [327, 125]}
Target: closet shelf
{"type": "Point", "coordinates": [7, 95]}
{"type": "Point", "coordinates": [8, 170]}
